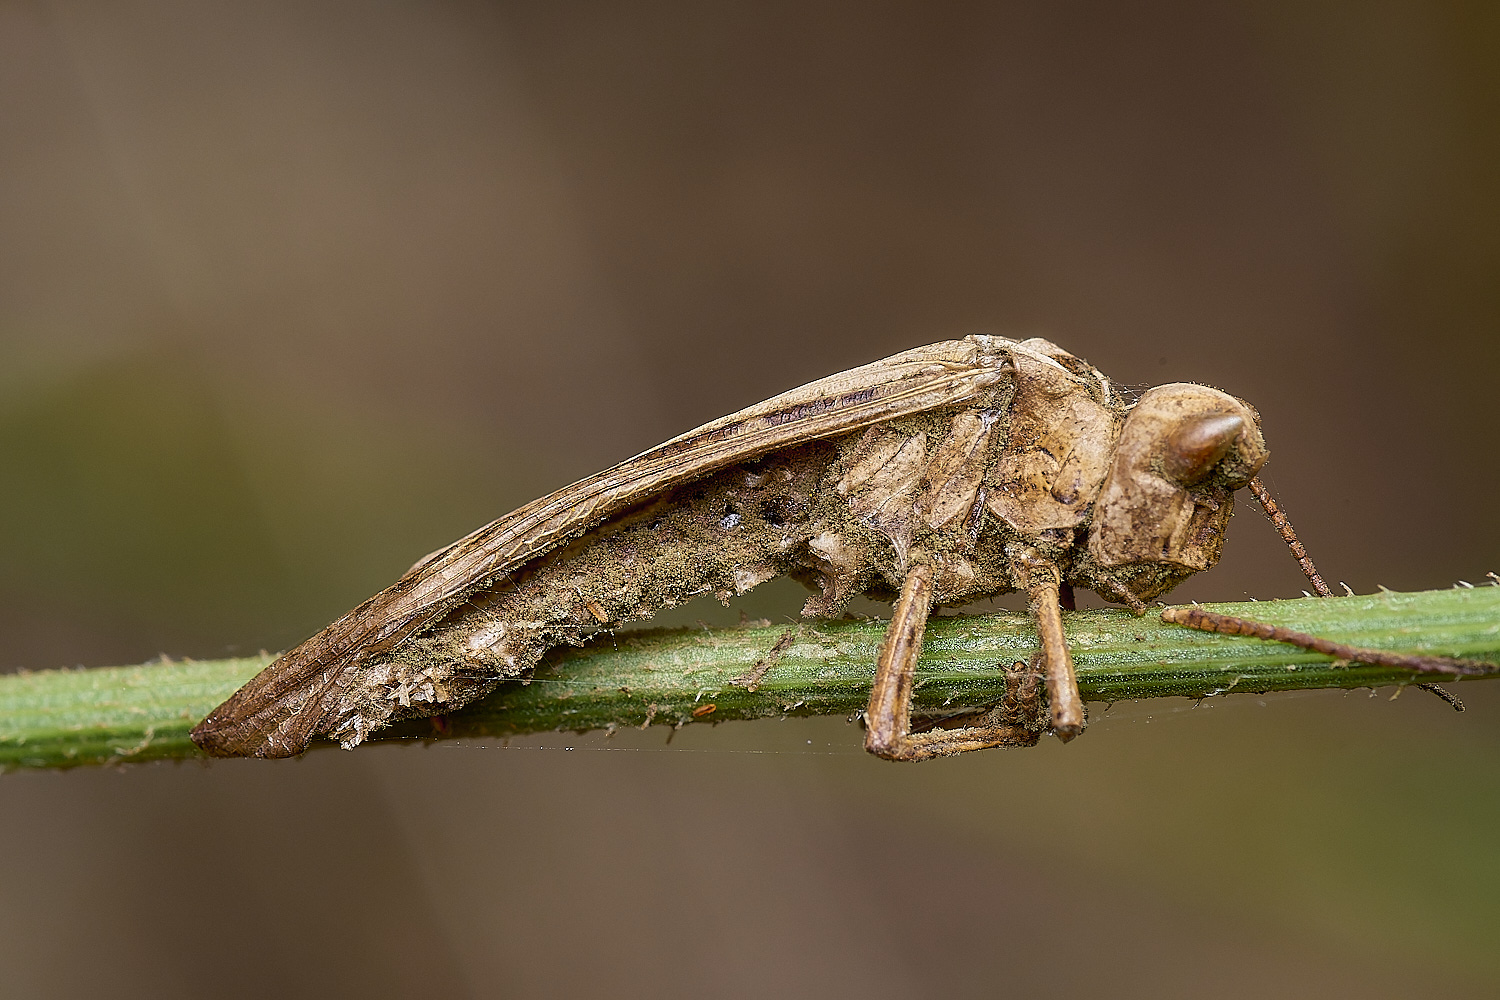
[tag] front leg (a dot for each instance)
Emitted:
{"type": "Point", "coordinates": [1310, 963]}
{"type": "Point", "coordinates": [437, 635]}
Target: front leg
{"type": "Point", "coordinates": [1040, 578]}
{"type": "Point", "coordinates": [888, 717]}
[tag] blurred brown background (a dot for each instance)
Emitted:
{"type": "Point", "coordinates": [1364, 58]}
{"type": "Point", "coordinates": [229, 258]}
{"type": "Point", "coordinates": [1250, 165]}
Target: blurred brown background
{"type": "Point", "coordinates": [293, 293]}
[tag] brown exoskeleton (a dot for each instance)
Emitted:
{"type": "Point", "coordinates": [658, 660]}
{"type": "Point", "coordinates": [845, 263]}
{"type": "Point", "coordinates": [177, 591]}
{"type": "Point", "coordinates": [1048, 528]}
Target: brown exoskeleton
{"type": "Point", "coordinates": [940, 476]}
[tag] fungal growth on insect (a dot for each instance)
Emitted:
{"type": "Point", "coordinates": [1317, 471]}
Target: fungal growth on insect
{"type": "Point", "coordinates": [940, 476]}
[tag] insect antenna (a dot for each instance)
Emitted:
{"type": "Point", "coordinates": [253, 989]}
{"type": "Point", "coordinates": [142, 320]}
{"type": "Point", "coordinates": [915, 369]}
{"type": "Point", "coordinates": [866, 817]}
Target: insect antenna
{"type": "Point", "coordinates": [1289, 535]}
{"type": "Point", "coordinates": [1212, 621]}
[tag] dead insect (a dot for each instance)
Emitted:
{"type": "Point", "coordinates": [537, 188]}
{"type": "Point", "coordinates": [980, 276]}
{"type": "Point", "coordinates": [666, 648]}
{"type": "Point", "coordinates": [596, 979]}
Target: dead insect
{"type": "Point", "coordinates": [940, 476]}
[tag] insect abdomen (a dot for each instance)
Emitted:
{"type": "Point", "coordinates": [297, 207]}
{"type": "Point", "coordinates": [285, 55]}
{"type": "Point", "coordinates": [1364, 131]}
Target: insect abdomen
{"type": "Point", "coordinates": [722, 535]}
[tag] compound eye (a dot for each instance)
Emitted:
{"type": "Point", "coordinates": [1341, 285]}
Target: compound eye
{"type": "Point", "coordinates": [1198, 444]}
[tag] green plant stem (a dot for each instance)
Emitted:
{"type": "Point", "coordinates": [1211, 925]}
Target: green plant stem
{"type": "Point", "coordinates": [63, 718]}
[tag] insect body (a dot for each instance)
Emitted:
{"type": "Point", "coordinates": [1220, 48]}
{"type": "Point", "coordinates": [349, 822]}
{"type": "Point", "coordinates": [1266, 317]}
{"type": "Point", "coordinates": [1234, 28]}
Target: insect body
{"type": "Point", "coordinates": [940, 476]}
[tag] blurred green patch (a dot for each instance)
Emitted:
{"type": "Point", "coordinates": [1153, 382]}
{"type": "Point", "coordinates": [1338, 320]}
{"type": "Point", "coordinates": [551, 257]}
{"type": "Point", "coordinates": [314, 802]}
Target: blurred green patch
{"type": "Point", "coordinates": [149, 499]}
{"type": "Point", "coordinates": [122, 487]}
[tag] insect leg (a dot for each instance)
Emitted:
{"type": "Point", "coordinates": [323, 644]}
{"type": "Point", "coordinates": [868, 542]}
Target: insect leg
{"type": "Point", "coordinates": [1443, 693]}
{"type": "Point", "coordinates": [1041, 580]}
{"type": "Point", "coordinates": [1210, 621]}
{"type": "Point", "coordinates": [888, 717]}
